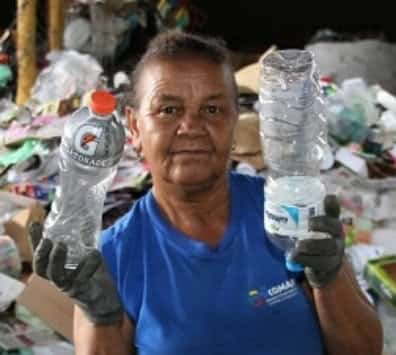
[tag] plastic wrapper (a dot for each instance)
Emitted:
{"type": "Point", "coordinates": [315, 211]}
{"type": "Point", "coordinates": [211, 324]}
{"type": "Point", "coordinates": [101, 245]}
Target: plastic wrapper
{"type": "Point", "coordinates": [370, 198]}
{"type": "Point", "coordinates": [345, 124]}
{"type": "Point", "coordinates": [350, 111]}
{"type": "Point", "coordinates": [358, 95]}
{"type": "Point", "coordinates": [10, 112]}
{"type": "Point", "coordinates": [10, 261]}
{"type": "Point", "coordinates": [68, 74]}
{"type": "Point", "coordinates": [44, 192]}
{"type": "Point", "coordinates": [38, 167]}
{"type": "Point", "coordinates": [25, 151]}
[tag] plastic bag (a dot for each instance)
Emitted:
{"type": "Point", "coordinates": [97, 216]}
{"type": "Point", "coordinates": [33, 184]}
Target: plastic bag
{"type": "Point", "coordinates": [70, 73]}
{"type": "Point", "coordinates": [10, 260]}
{"type": "Point", "coordinates": [8, 112]}
{"type": "Point", "coordinates": [349, 112]}
{"type": "Point", "coordinates": [107, 30]}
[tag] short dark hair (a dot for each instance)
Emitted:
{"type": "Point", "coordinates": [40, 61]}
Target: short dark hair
{"type": "Point", "coordinates": [175, 44]}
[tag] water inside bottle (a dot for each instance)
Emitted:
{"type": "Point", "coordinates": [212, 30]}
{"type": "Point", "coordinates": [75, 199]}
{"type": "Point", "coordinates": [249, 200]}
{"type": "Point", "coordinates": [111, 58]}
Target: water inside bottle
{"type": "Point", "coordinates": [290, 202]}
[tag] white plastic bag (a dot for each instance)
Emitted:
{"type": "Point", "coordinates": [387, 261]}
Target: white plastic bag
{"type": "Point", "coordinates": [70, 73]}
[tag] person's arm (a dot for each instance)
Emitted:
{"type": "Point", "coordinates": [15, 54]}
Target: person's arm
{"type": "Point", "coordinates": [348, 322]}
{"type": "Point", "coordinates": [91, 339]}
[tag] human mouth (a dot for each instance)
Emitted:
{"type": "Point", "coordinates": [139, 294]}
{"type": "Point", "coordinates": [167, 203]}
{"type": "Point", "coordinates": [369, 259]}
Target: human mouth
{"type": "Point", "coordinates": [190, 152]}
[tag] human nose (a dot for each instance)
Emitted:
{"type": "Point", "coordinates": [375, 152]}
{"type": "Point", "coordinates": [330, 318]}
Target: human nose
{"type": "Point", "coordinates": [192, 123]}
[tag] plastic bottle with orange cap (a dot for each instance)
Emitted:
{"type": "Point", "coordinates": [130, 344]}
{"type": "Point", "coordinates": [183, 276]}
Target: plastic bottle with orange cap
{"type": "Point", "coordinates": [91, 147]}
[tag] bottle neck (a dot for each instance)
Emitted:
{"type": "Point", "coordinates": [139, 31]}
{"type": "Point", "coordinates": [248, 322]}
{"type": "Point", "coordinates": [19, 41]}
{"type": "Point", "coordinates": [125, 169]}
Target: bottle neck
{"type": "Point", "coordinates": [100, 116]}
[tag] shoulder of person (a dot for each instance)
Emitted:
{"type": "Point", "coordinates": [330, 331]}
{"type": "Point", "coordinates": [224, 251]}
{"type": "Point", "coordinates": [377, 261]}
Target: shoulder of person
{"type": "Point", "coordinates": [122, 230]}
{"type": "Point", "coordinates": [247, 180]}
{"type": "Point", "coordinates": [250, 186]}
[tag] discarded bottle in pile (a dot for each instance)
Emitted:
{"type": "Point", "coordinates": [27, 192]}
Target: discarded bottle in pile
{"type": "Point", "coordinates": [91, 147]}
{"type": "Point", "coordinates": [293, 134]}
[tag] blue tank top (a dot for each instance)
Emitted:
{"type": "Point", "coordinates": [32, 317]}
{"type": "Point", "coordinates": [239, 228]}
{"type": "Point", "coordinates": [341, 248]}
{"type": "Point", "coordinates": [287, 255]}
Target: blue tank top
{"type": "Point", "coordinates": [185, 298]}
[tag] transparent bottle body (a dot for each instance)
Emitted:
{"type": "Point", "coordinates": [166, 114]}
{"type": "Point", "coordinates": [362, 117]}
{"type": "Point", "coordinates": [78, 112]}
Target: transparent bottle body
{"type": "Point", "coordinates": [76, 212]}
{"type": "Point", "coordinates": [293, 136]}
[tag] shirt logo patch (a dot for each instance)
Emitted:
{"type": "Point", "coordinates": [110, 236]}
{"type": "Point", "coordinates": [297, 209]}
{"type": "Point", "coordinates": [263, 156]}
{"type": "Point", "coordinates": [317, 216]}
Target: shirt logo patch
{"type": "Point", "coordinates": [273, 295]}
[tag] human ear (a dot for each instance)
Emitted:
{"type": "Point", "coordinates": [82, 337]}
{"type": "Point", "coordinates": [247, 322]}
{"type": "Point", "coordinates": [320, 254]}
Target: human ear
{"type": "Point", "coordinates": [133, 127]}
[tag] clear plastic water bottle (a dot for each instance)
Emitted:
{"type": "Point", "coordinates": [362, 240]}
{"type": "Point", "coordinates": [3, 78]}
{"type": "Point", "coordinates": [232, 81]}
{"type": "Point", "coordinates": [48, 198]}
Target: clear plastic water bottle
{"type": "Point", "coordinates": [92, 145]}
{"type": "Point", "coordinates": [293, 135]}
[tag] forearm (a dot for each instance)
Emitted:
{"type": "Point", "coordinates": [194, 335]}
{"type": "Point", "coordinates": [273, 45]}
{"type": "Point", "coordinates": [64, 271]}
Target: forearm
{"type": "Point", "coordinates": [349, 324]}
{"type": "Point", "coordinates": [90, 339]}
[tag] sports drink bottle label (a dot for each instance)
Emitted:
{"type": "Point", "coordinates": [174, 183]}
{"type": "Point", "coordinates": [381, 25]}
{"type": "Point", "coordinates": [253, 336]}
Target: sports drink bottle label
{"type": "Point", "coordinates": [289, 220]}
{"type": "Point", "coordinates": [95, 143]}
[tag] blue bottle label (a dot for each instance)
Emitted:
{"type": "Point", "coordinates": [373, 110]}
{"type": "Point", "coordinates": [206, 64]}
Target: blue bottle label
{"type": "Point", "coordinates": [289, 220]}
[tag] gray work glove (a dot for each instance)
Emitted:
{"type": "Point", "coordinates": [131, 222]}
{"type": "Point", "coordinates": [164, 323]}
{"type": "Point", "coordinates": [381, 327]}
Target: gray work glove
{"type": "Point", "coordinates": [322, 258]}
{"type": "Point", "coordinates": [89, 285]}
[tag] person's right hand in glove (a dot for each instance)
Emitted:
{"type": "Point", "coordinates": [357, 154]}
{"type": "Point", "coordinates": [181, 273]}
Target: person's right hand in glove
{"type": "Point", "coordinates": [89, 285]}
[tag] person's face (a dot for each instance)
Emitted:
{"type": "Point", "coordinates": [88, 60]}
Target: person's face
{"type": "Point", "coordinates": [185, 121]}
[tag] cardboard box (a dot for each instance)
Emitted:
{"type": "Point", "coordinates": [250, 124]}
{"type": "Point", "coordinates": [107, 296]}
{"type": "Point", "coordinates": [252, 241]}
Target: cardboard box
{"type": "Point", "coordinates": [17, 227]}
{"type": "Point", "coordinates": [247, 147]}
{"type": "Point", "coordinates": [49, 304]}
{"type": "Point", "coordinates": [248, 77]}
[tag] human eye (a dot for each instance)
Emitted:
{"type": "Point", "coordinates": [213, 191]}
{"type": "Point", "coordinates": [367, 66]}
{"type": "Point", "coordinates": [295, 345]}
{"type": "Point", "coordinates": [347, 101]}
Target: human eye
{"type": "Point", "coordinates": [169, 111]}
{"type": "Point", "coordinates": [211, 110]}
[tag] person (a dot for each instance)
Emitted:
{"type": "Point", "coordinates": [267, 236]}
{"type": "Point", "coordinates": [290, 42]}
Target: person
{"type": "Point", "coordinates": [189, 269]}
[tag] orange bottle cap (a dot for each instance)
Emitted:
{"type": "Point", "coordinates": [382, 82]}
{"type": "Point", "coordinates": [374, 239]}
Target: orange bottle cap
{"type": "Point", "coordinates": [102, 103]}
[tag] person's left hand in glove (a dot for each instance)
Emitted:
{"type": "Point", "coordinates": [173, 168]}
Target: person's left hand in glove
{"type": "Point", "coordinates": [322, 257]}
